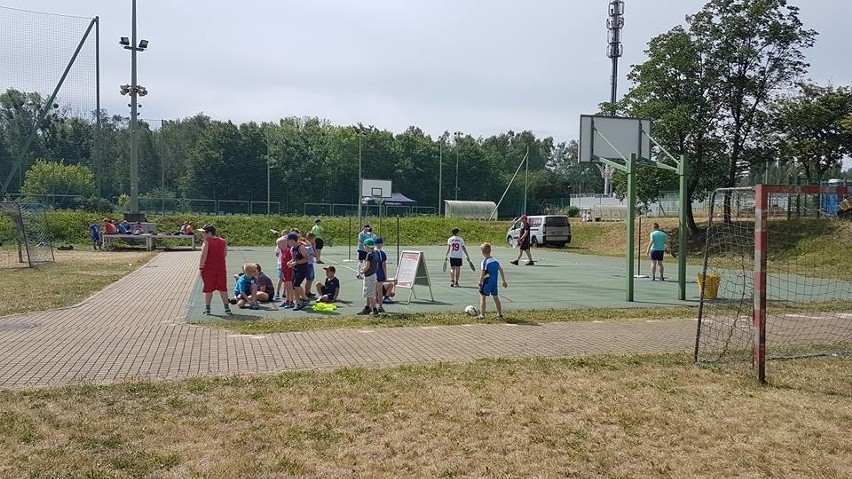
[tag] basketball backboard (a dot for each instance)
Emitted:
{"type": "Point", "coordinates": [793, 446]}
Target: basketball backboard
{"type": "Point", "coordinates": [614, 138]}
{"type": "Point", "coordinates": [376, 188]}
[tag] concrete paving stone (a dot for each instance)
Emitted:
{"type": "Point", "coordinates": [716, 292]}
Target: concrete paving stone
{"type": "Point", "coordinates": [149, 338]}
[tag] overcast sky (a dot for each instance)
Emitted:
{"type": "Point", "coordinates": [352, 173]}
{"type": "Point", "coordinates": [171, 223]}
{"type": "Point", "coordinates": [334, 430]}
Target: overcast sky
{"type": "Point", "coordinates": [478, 66]}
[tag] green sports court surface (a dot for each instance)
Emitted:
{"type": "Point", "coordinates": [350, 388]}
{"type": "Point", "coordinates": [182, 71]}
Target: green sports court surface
{"type": "Point", "coordinates": [558, 280]}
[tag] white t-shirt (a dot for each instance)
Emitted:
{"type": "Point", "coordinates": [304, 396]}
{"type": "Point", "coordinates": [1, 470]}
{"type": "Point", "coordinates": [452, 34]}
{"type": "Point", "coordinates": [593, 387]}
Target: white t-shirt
{"type": "Point", "coordinates": [456, 243]}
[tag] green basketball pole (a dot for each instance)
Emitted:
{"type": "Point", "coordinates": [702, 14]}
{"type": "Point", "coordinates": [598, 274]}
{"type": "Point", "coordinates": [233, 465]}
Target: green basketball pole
{"type": "Point", "coordinates": [631, 220]}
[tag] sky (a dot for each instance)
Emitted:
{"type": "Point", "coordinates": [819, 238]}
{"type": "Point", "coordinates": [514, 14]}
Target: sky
{"type": "Point", "coordinates": [477, 66]}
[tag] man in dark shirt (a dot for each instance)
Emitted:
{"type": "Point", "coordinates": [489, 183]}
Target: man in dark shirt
{"type": "Point", "coordinates": [524, 241]}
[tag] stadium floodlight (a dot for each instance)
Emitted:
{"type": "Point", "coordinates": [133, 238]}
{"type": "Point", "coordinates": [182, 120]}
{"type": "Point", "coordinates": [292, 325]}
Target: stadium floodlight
{"type": "Point", "coordinates": [125, 89]}
{"type": "Point", "coordinates": [143, 44]}
{"type": "Point", "coordinates": [124, 42]}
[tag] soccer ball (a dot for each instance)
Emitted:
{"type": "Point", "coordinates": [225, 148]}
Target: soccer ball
{"type": "Point", "coordinates": [471, 310]}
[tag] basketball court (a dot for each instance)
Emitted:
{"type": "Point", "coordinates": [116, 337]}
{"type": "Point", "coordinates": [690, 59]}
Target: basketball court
{"type": "Point", "coordinates": [558, 280]}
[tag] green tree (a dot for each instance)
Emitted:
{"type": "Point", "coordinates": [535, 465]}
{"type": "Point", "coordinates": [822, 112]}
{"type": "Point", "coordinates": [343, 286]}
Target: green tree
{"type": "Point", "coordinates": [709, 86]}
{"type": "Point", "coordinates": [49, 182]}
{"type": "Point", "coordinates": [810, 128]}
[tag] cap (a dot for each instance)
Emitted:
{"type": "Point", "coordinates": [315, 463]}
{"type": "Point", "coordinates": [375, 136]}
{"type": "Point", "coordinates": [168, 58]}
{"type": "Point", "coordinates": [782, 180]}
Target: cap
{"type": "Point", "coordinates": [330, 268]}
{"type": "Point", "coordinates": [369, 242]}
{"type": "Point", "coordinates": [292, 236]}
{"type": "Point", "coordinates": [208, 228]}
{"type": "Point", "coordinates": [379, 240]}
{"type": "Point", "coordinates": [368, 227]}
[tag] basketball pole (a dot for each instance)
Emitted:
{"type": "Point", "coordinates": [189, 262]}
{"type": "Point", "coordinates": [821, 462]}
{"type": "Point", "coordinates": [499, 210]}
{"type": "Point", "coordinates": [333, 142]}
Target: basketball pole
{"type": "Point", "coordinates": [631, 223]}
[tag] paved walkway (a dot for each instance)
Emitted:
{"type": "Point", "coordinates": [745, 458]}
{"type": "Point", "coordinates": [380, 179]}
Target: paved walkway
{"type": "Point", "coordinates": [117, 335]}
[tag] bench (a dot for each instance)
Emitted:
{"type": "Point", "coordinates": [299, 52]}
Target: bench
{"type": "Point", "coordinates": [191, 238]}
{"type": "Point", "coordinates": [149, 239]}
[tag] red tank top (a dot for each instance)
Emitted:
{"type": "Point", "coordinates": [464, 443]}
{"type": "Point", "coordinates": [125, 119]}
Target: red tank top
{"type": "Point", "coordinates": [215, 254]}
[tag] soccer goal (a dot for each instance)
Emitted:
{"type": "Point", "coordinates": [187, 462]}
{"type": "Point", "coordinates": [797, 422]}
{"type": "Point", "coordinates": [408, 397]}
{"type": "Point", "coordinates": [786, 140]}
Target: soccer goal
{"type": "Point", "coordinates": [24, 236]}
{"type": "Point", "coordinates": [777, 277]}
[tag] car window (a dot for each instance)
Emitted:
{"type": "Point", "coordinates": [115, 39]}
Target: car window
{"type": "Point", "coordinates": [535, 221]}
{"type": "Point", "coordinates": [557, 221]}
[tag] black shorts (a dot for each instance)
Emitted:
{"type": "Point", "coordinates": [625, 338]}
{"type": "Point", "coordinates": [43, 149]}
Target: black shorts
{"type": "Point", "coordinates": [320, 243]}
{"type": "Point", "coordinates": [362, 255]}
{"type": "Point", "coordinates": [525, 245]}
{"type": "Point", "coordinates": [455, 261]}
{"type": "Point", "coordinates": [299, 276]}
{"type": "Point", "coordinates": [657, 255]}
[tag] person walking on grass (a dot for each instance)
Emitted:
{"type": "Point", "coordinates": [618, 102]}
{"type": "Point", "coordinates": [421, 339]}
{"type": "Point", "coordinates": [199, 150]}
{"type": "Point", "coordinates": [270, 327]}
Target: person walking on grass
{"type": "Point", "coordinates": [317, 231]}
{"type": "Point", "coordinates": [211, 267]}
{"type": "Point", "coordinates": [488, 281]}
{"type": "Point", "coordinates": [524, 242]}
{"type": "Point", "coordinates": [455, 252]}
{"type": "Point", "coordinates": [95, 229]}
{"type": "Point", "coordinates": [656, 250]}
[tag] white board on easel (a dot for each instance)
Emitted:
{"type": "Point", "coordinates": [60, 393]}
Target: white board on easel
{"type": "Point", "coordinates": [411, 271]}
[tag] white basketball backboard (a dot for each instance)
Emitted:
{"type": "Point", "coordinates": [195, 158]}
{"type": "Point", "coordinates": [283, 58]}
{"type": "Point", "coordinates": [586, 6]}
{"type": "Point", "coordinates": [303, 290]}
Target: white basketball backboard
{"type": "Point", "coordinates": [376, 188]}
{"type": "Point", "coordinates": [614, 137]}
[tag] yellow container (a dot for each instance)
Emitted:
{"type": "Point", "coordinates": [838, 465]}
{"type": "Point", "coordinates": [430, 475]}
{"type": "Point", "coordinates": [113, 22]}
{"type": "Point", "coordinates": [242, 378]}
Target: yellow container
{"type": "Point", "coordinates": [709, 287]}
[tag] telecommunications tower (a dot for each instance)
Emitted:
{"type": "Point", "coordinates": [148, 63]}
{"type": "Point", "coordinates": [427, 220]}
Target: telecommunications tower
{"type": "Point", "coordinates": [614, 50]}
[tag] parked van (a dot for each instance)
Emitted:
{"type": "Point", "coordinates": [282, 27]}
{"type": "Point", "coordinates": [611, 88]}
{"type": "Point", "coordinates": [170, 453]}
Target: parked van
{"type": "Point", "coordinates": [544, 230]}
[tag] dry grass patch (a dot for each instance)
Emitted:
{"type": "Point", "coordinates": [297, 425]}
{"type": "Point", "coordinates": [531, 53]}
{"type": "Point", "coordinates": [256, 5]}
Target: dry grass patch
{"type": "Point", "coordinates": [75, 276]}
{"type": "Point", "coordinates": [656, 416]}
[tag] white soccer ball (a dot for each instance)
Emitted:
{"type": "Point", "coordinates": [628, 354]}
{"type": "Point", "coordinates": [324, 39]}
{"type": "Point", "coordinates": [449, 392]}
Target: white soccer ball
{"type": "Point", "coordinates": [471, 310]}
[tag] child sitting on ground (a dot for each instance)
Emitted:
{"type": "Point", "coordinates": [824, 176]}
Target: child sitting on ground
{"type": "Point", "coordinates": [328, 292]}
{"type": "Point", "coordinates": [265, 286]}
{"type": "Point", "coordinates": [245, 292]}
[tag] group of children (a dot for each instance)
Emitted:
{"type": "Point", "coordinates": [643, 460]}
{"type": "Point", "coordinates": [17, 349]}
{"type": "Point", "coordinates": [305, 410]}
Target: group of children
{"type": "Point", "coordinates": [296, 256]}
{"type": "Point", "coordinates": [111, 227]}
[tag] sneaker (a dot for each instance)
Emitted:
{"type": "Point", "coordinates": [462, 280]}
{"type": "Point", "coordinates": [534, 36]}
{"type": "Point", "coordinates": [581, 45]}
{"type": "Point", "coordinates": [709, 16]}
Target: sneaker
{"type": "Point", "coordinates": [530, 263]}
{"type": "Point", "coordinates": [254, 307]}
{"type": "Point", "coordinates": [289, 306]}
{"type": "Point", "coordinates": [375, 312]}
{"type": "Point", "coordinates": [299, 306]}
{"type": "Point", "coordinates": [228, 311]}
{"type": "Point", "coordinates": [662, 279]}
{"type": "Point", "coordinates": [358, 276]}
{"type": "Point", "coordinates": [233, 300]}
{"type": "Point", "coordinates": [364, 311]}
{"type": "Point", "coordinates": [480, 317]}
{"type": "Point", "coordinates": [381, 309]}
{"type": "Point", "coordinates": [320, 262]}
{"type": "Point", "coordinates": [452, 285]}
{"type": "Point", "coordinates": [653, 278]}
{"type": "Point", "coordinates": [387, 300]}
{"type": "Point", "coordinates": [276, 298]}
{"type": "Point", "coordinates": [514, 262]}
{"type": "Point", "coordinates": [206, 312]}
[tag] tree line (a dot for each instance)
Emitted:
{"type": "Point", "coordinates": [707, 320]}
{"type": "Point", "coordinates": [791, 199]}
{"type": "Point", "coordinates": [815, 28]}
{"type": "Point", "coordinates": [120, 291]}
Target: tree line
{"type": "Point", "coordinates": [727, 89]}
{"type": "Point", "coordinates": [305, 160]}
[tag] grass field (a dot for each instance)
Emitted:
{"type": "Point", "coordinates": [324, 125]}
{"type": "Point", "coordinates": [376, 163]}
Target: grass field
{"type": "Point", "coordinates": [75, 276]}
{"type": "Point", "coordinates": [653, 416]}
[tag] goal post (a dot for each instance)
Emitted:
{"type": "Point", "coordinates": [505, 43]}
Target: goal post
{"type": "Point", "coordinates": [24, 235]}
{"type": "Point", "coordinates": [776, 281]}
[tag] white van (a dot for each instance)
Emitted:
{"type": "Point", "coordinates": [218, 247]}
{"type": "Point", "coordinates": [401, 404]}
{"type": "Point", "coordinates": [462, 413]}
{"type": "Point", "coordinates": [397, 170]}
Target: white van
{"type": "Point", "coordinates": [544, 230]}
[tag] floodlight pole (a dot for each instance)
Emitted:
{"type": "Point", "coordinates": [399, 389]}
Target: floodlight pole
{"type": "Point", "coordinates": [526, 178]}
{"type": "Point", "coordinates": [134, 120]}
{"type": "Point", "coordinates": [360, 182]}
{"type": "Point", "coordinates": [440, 174]}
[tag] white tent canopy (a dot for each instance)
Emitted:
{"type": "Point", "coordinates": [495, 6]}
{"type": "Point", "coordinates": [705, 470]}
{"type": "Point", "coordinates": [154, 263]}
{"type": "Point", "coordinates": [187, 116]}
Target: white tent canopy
{"type": "Point", "coordinates": [473, 210]}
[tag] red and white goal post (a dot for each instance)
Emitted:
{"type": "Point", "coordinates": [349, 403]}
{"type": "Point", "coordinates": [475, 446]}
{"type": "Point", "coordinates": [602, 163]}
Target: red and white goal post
{"type": "Point", "coordinates": [773, 283]}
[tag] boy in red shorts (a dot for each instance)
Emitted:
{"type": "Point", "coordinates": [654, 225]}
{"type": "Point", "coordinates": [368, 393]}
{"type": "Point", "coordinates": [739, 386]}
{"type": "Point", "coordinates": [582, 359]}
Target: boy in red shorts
{"type": "Point", "coordinates": [212, 268]}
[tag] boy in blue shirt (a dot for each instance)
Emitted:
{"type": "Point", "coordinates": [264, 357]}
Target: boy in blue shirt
{"type": "Point", "coordinates": [245, 292]}
{"type": "Point", "coordinates": [488, 281]}
{"type": "Point", "coordinates": [94, 228]}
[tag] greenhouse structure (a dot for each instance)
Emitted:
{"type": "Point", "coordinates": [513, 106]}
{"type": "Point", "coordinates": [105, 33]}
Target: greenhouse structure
{"type": "Point", "coordinates": [473, 210]}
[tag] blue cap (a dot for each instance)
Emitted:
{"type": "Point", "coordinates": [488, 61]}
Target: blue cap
{"type": "Point", "coordinates": [379, 240]}
{"type": "Point", "coordinates": [292, 236]}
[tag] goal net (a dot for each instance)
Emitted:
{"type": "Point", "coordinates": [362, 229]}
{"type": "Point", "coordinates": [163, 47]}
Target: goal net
{"type": "Point", "coordinates": [24, 236]}
{"type": "Point", "coordinates": [777, 277]}
{"type": "Point", "coordinates": [48, 70]}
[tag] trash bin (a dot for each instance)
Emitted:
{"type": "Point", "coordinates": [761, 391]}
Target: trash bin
{"type": "Point", "coordinates": [710, 287]}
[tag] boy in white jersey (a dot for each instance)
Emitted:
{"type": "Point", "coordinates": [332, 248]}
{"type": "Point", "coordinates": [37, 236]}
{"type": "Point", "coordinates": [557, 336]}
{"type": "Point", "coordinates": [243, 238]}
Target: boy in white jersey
{"type": "Point", "coordinates": [455, 252]}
